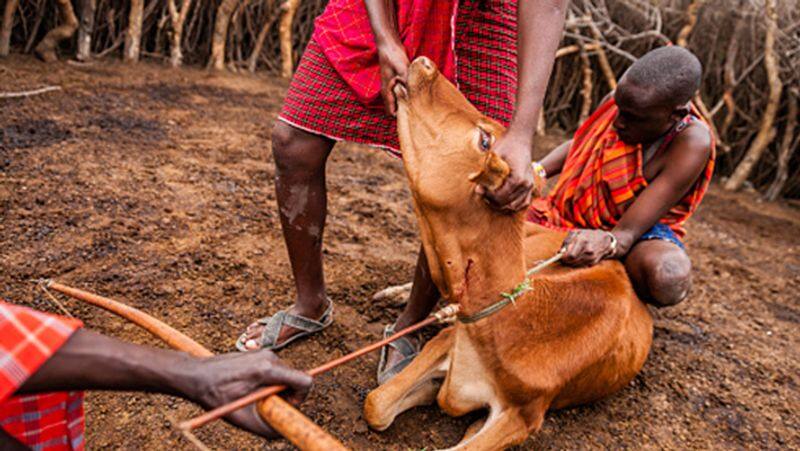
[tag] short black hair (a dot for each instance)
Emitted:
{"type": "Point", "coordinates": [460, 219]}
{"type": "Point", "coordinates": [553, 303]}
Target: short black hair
{"type": "Point", "coordinates": [673, 72]}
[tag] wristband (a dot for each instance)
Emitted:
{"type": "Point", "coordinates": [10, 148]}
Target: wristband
{"type": "Point", "coordinates": [539, 169]}
{"type": "Point", "coordinates": [613, 244]}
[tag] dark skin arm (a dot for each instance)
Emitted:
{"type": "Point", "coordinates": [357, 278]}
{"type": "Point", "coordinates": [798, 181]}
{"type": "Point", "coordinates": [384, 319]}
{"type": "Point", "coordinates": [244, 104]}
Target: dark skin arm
{"type": "Point", "coordinates": [540, 23]}
{"type": "Point", "coordinates": [553, 162]}
{"type": "Point", "coordinates": [90, 361]}
{"type": "Point", "coordinates": [392, 55]}
{"type": "Point", "coordinates": [687, 157]}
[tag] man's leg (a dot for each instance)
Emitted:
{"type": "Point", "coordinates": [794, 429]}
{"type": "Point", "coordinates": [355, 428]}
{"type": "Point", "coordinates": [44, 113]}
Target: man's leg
{"type": "Point", "coordinates": [421, 301]}
{"type": "Point", "coordinates": [660, 272]}
{"type": "Point", "coordinates": [300, 159]}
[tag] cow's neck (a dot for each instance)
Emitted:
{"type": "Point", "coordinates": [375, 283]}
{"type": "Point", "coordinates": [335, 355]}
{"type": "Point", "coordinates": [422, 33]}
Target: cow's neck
{"type": "Point", "coordinates": [476, 258]}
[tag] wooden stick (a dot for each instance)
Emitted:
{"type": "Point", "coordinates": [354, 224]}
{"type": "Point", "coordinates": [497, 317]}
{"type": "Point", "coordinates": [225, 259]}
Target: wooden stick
{"type": "Point", "coordinates": [289, 422]}
{"type": "Point", "coordinates": [221, 411]}
{"type": "Point", "coordinates": [282, 416]}
{"type": "Point", "coordinates": [159, 329]}
{"type": "Point", "coordinates": [14, 95]}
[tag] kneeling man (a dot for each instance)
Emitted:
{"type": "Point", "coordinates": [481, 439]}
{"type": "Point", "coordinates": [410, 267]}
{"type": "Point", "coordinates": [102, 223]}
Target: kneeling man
{"type": "Point", "coordinates": [632, 175]}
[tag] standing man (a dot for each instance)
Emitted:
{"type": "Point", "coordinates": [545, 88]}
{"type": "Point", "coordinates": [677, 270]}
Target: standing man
{"type": "Point", "coordinates": [498, 53]}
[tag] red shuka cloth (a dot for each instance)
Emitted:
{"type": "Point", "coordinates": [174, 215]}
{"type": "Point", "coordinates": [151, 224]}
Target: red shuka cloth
{"type": "Point", "coordinates": [345, 36]}
{"type": "Point", "coordinates": [48, 421]}
{"type": "Point", "coordinates": [474, 42]}
{"type": "Point", "coordinates": [601, 178]}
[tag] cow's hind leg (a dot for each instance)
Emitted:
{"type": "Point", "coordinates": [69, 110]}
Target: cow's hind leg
{"type": "Point", "coordinates": [416, 385]}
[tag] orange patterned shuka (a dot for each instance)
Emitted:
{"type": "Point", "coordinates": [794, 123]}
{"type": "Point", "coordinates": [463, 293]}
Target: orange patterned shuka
{"type": "Point", "coordinates": [602, 176]}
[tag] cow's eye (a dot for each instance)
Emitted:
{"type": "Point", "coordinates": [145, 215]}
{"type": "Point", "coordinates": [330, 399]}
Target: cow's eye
{"type": "Point", "coordinates": [485, 140]}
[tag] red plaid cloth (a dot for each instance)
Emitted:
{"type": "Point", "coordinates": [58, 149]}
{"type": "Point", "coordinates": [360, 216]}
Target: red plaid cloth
{"type": "Point", "coordinates": [339, 70]}
{"type": "Point", "coordinates": [602, 176]}
{"type": "Point", "coordinates": [51, 421]}
{"type": "Point", "coordinates": [345, 36]}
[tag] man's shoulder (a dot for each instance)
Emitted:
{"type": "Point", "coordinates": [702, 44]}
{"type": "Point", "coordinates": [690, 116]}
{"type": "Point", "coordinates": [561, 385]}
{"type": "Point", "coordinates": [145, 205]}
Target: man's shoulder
{"type": "Point", "coordinates": [695, 138]}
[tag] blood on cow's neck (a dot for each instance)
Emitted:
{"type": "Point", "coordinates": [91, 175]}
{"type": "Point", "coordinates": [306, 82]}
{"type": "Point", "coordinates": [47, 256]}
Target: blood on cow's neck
{"type": "Point", "coordinates": [474, 258]}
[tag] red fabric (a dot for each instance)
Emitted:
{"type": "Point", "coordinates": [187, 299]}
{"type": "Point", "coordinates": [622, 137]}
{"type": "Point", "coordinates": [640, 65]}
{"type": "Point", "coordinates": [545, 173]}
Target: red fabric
{"type": "Point", "coordinates": [321, 101]}
{"type": "Point", "coordinates": [602, 176]}
{"type": "Point", "coordinates": [345, 36]}
{"type": "Point", "coordinates": [51, 421]}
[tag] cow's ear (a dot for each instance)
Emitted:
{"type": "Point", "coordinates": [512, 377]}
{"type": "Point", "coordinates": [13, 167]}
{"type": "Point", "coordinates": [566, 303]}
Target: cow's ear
{"type": "Point", "coordinates": [493, 173]}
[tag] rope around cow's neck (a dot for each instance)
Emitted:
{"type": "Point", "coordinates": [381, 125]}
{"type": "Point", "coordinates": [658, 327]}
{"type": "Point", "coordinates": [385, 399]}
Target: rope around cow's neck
{"type": "Point", "coordinates": [511, 297]}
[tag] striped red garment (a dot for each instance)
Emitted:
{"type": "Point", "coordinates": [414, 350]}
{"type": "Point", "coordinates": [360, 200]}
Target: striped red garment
{"type": "Point", "coordinates": [324, 100]}
{"type": "Point", "coordinates": [50, 421]}
{"type": "Point", "coordinates": [345, 37]}
{"type": "Point", "coordinates": [602, 176]}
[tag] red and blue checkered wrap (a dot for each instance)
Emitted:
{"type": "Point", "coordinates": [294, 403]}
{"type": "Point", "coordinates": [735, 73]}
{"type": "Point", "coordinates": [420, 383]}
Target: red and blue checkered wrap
{"type": "Point", "coordinates": [49, 421]}
{"type": "Point", "coordinates": [335, 90]}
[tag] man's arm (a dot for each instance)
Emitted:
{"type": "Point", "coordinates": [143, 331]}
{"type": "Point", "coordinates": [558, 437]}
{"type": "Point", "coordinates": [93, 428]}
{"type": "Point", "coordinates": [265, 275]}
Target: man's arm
{"type": "Point", "coordinates": [539, 24]}
{"type": "Point", "coordinates": [687, 157]}
{"type": "Point", "coordinates": [90, 361]}
{"type": "Point", "coordinates": [553, 162]}
{"type": "Point", "coordinates": [392, 56]}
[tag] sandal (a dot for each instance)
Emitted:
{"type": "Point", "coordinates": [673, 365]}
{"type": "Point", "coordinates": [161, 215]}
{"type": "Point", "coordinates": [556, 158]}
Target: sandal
{"type": "Point", "coordinates": [404, 346]}
{"type": "Point", "coordinates": [273, 325]}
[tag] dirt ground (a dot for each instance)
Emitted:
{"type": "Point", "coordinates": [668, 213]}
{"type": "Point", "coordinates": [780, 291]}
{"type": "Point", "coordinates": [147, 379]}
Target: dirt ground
{"type": "Point", "coordinates": [154, 186]}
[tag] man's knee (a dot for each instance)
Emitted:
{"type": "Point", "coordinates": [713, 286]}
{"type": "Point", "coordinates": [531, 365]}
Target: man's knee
{"type": "Point", "coordinates": [669, 280]}
{"type": "Point", "coordinates": [296, 151]}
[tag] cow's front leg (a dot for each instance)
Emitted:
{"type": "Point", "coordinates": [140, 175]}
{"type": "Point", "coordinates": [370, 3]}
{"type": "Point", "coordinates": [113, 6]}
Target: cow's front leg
{"type": "Point", "coordinates": [416, 385]}
{"type": "Point", "coordinates": [501, 429]}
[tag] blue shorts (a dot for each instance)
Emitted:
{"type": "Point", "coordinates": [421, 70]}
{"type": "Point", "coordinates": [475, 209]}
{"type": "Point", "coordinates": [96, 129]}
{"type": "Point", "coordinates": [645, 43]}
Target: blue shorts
{"type": "Point", "coordinates": [662, 232]}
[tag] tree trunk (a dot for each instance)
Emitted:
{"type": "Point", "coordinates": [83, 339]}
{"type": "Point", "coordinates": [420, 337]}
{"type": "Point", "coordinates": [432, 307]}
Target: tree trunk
{"type": "Point", "coordinates": [46, 50]}
{"type": "Point", "coordinates": [133, 36]}
{"type": "Point", "coordinates": [262, 36]}
{"type": "Point", "coordinates": [285, 32]}
{"type": "Point", "coordinates": [6, 26]}
{"type": "Point", "coordinates": [85, 29]}
{"type": "Point", "coordinates": [178, 18]}
{"type": "Point", "coordinates": [766, 132]}
{"type": "Point", "coordinates": [221, 24]}
{"type": "Point", "coordinates": [787, 149]}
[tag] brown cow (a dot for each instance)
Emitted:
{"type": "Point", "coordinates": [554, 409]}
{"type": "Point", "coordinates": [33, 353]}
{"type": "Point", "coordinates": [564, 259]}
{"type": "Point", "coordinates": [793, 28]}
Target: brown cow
{"type": "Point", "coordinates": [578, 335]}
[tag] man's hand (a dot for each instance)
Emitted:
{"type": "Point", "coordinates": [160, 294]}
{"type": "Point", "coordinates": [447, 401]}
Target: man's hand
{"type": "Point", "coordinates": [394, 69]}
{"type": "Point", "coordinates": [587, 247]}
{"type": "Point", "coordinates": [515, 193]}
{"type": "Point", "coordinates": [218, 380]}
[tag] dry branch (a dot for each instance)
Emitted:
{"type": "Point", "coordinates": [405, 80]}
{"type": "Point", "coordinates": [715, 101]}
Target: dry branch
{"type": "Point", "coordinates": [252, 61]}
{"type": "Point", "coordinates": [602, 58]}
{"type": "Point", "coordinates": [691, 21]}
{"type": "Point", "coordinates": [766, 132]}
{"type": "Point", "coordinates": [786, 150]}
{"type": "Point", "coordinates": [46, 50]}
{"type": "Point", "coordinates": [14, 95]}
{"type": "Point", "coordinates": [7, 25]}
{"type": "Point", "coordinates": [586, 86]}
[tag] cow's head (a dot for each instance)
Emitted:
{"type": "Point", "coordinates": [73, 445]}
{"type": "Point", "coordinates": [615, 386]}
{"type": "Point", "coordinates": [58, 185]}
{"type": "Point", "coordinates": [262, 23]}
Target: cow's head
{"type": "Point", "coordinates": [447, 150]}
{"type": "Point", "coordinates": [446, 142]}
